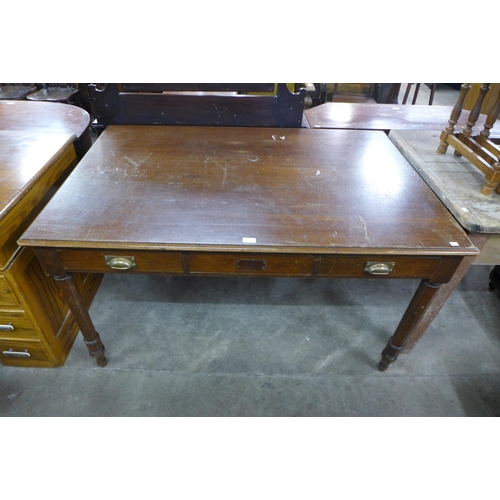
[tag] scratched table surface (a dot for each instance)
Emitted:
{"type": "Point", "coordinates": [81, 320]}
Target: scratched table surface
{"type": "Point", "coordinates": [258, 189]}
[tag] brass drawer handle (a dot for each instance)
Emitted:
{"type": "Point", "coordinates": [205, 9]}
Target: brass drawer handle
{"type": "Point", "coordinates": [251, 264]}
{"type": "Point", "coordinates": [120, 263]}
{"type": "Point", "coordinates": [7, 328]}
{"type": "Point", "coordinates": [16, 354]}
{"type": "Point", "coordinates": [379, 268]}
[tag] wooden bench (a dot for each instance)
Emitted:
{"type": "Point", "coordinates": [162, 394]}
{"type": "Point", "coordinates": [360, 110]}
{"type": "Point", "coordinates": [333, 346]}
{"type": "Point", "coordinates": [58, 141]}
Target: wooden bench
{"type": "Point", "coordinates": [223, 104]}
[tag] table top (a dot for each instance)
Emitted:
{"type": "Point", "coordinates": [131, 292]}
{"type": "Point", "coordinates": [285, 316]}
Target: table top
{"type": "Point", "coordinates": [382, 116]}
{"type": "Point", "coordinates": [24, 158]}
{"type": "Point", "coordinates": [247, 189]}
{"type": "Point", "coordinates": [47, 117]}
{"type": "Point", "coordinates": [454, 179]}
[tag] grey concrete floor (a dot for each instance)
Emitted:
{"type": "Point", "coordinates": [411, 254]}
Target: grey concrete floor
{"type": "Point", "coordinates": [189, 346]}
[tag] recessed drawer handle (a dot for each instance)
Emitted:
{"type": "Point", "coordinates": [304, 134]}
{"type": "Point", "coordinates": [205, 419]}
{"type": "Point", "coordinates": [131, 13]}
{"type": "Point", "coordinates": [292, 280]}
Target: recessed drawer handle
{"type": "Point", "coordinates": [16, 354]}
{"type": "Point", "coordinates": [251, 264]}
{"type": "Point", "coordinates": [7, 328]}
{"type": "Point", "coordinates": [379, 268]}
{"type": "Point", "coordinates": [120, 263]}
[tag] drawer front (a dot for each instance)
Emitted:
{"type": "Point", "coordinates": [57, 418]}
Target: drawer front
{"type": "Point", "coordinates": [21, 351]}
{"type": "Point", "coordinates": [107, 261]}
{"type": "Point", "coordinates": [251, 264]}
{"type": "Point", "coordinates": [15, 325]}
{"type": "Point", "coordinates": [378, 266]}
{"type": "Point", "coordinates": [7, 297]}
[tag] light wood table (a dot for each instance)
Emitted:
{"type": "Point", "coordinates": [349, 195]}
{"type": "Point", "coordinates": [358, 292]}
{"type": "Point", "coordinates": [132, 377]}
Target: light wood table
{"type": "Point", "coordinates": [248, 202]}
{"type": "Point", "coordinates": [457, 183]}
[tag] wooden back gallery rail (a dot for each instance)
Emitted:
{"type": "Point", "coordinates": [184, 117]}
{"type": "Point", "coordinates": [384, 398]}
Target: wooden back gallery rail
{"type": "Point", "coordinates": [483, 153]}
{"type": "Point", "coordinates": [221, 104]}
{"type": "Point", "coordinates": [248, 201]}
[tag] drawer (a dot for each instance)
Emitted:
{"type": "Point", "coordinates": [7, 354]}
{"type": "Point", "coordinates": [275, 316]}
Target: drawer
{"type": "Point", "coordinates": [15, 324]}
{"type": "Point", "coordinates": [7, 297]}
{"type": "Point", "coordinates": [397, 266]}
{"type": "Point", "coordinates": [102, 260]}
{"type": "Point", "coordinates": [251, 264]}
{"type": "Point", "coordinates": [22, 351]}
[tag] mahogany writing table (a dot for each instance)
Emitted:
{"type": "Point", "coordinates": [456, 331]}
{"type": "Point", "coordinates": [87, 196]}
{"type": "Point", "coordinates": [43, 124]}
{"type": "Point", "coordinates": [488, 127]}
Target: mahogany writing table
{"type": "Point", "coordinates": [250, 202]}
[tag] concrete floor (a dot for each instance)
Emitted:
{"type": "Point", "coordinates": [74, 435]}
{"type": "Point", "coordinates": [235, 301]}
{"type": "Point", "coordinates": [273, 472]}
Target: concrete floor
{"type": "Point", "coordinates": [188, 346]}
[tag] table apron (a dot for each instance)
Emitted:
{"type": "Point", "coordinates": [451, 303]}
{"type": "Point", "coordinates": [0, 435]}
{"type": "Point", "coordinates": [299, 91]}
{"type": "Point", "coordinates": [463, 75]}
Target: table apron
{"type": "Point", "coordinates": [434, 268]}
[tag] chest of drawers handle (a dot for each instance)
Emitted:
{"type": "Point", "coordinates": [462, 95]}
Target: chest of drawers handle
{"type": "Point", "coordinates": [16, 354]}
{"type": "Point", "coordinates": [379, 268]}
{"type": "Point", "coordinates": [7, 328]}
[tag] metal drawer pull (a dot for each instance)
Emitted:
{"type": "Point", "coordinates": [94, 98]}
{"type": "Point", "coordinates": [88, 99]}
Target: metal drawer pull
{"type": "Point", "coordinates": [7, 328]}
{"type": "Point", "coordinates": [379, 268]}
{"type": "Point", "coordinates": [120, 263]}
{"type": "Point", "coordinates": [16, 354]}
{"type": "Point", "coordinates": [251, 265]}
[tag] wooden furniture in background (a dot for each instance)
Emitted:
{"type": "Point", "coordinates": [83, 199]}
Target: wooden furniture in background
{"type": "Point", "coordinates": [473, 95]}
{"type": "Point", "coordinates": [350, 92]}
{"type": "Point", "coordinates": [483, 153]}
{"type": "Point", "coordinates": [456, 182]}
{"type": "Point", "coordinates": [234, 104]}
{"type": "Point", "coordinates": [36, 328]}
{"type": "Point", "coordinates": [383, 117]}
{"type": "Point", "coordinates": [415, 93]}
{"type": "Point", "coordinates": [234, 201]}
{"type": "Point", "coordinates": [15, 91]}
{"type": "Point", "coordinates": [55, 92]}
{"type": "Point", "coordinates": [46, 117]}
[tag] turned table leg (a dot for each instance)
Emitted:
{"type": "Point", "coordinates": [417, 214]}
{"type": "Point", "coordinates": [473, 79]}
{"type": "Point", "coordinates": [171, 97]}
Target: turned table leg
{"type": "Point", "coordinates": [82, 317]}
{"type": "Point", "coordinates": [440, 298]}
{"type": "Point", "coordinates": [52, 265]}
{"type": "Point", "coordinates": [418, 305]}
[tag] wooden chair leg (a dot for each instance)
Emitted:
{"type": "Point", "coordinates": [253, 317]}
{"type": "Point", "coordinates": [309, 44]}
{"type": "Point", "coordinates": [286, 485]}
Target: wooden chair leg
{"type": "Point", "coordinates": [433, 92]}
{"type": "Point", "coordinates": [491, 118]}
{"type": "Point", "coordinates": [476, 110]}
{"type": "Point", "coordinates": [455, 115]}
{"type": "Point", "coordinates": [415, 95]}
{"type": "Point", "coordinates": [407, 92]}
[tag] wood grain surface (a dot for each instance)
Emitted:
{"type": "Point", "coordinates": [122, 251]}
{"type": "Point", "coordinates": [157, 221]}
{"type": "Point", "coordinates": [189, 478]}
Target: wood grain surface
{"type": "Point", "coordinates": [383, 117]}
{"type": "Point", "coordinates": [189, 188]}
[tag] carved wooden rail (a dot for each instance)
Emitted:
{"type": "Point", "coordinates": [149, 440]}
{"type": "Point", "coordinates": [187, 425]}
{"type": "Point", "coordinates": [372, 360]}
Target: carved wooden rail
{"type": "Point", "coordinates": [222, 104]}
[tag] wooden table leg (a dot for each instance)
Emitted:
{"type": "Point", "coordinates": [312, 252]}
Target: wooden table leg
{"type": "Point", "coordinates": [419, 303]}
{"type": "Point", "coordinates": [479, 239]}
{"type": "Point", "coordinates": [51, 264]}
